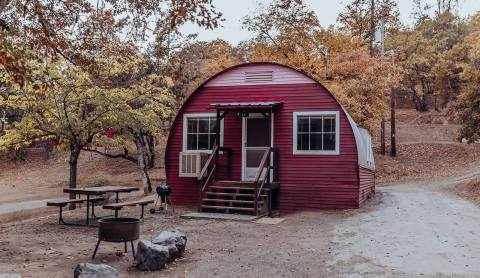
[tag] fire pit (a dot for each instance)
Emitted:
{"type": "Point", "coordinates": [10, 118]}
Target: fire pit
{"type": "Point", "coordinates": [118, 229]}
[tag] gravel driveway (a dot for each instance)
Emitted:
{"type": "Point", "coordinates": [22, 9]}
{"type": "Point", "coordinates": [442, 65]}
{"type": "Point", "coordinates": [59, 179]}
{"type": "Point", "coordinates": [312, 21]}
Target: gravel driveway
{"type": "Point", "coordinates": [413, 229]}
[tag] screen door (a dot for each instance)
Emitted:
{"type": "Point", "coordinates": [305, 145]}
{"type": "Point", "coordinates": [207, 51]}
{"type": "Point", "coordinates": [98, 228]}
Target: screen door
{"type": "Point", "coordinates": [256, 140]}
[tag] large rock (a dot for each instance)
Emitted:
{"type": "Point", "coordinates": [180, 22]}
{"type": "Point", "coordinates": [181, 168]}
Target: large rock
{"type": "Point", "coordinates": [174, 240]}
{"type": "Point", "coordinates": [151, 256]}
{"type": "Point", "coordinates": [95, 271]}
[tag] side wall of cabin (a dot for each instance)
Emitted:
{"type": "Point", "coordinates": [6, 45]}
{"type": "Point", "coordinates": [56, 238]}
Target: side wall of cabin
{"type": "Point", "coordinates": [367, 184]}
{"type": "Point", "coordinates": [306, 181]}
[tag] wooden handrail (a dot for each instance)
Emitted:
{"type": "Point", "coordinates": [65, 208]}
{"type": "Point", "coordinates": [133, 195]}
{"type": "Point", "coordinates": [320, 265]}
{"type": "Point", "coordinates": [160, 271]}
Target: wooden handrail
{"type": "Point", "coordinates": [265, 156]}
{"type": "Point", "coordinates": [266, 165]}
{"type": "Point", "coordinates": [209, 177]}
{"type": "Point", "coordinates": [207, 164]}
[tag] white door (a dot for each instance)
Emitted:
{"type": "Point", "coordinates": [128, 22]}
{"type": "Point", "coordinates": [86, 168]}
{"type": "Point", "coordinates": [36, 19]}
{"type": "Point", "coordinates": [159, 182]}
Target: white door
{"type": "Point", "coordinates": [256, 139]}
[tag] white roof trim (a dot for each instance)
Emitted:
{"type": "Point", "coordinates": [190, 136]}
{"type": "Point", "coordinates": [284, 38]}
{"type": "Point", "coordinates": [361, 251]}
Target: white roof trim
{"type": "Point", "coordinates": [363, 140]}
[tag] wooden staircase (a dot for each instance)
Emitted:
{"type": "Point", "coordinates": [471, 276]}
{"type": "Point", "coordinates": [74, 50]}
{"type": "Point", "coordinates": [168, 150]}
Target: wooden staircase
{"type": "Point", "coordinates": [223, 196]}
{"type": "Point", "coordinates": [235, 197]}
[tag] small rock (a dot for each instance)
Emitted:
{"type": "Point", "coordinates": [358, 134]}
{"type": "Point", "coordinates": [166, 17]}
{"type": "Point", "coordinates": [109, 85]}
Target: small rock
{"type": "Point", "coordinates": [87, 270]}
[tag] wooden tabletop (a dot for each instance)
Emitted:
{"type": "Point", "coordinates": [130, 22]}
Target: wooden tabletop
{"type": "Point", "coordinates": [99, 190]}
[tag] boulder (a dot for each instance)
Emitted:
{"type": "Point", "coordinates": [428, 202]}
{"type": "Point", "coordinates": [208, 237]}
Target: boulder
{"type": "Point", "coordinates": [174, 240]}
{"type": "Point", "coordinates": [151, 256]}
{"type": "Point", "coordinates": [87, 270]}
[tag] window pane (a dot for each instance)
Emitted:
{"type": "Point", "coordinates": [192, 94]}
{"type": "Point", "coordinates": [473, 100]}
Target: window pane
{"type": "Point", "coordinates": [329, 142]}
{"type": "Point", "coordinates": [329, 124]}
{"type": "Point", "coordinates": [192, 125]}
{"type": "Point", "coordinates": [203, 125]}
{"type": "Point", "coordinates": [316, 142]}
{"type": "Point", "coordinates": [212, 141]}
{"type": "Point", "coordinates": [302, 142]}
{"type": "Point", "coordinates": [213, 123]}
{"type": "Point", "coordinates": [191, 142]}
{"type": "Point", "coordinates": [316, 124]}
{"type": "Point", "coordinates": [254, 157]}
{"type": "Point", "coordinates": [257, 133]}
{"type": "Point", "coordinates": [303, 124]}
{"type": "Point", "coordinates": [203, 141]}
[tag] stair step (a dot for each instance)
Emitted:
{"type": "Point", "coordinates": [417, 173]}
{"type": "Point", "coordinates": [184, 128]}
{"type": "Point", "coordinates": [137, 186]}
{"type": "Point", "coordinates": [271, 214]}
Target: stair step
{"type": "Point", "coordinates": [229, 208]}
{"type": "Point", "coordinates": [231, 201]}
{"type": "Point", "coordinates": [237, 183]}
{"type": "Point", "coordinates": [233, 194]}
{"type": "Point", "coordinates": [235, 187]}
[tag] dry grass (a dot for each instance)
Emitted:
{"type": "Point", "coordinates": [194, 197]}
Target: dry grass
{"type": "Point", "coordinates": [427, 147]}
{"type": "Point", "coordinates": [42, 179]}
{"type": "Point", "coordinates": [424, 161]}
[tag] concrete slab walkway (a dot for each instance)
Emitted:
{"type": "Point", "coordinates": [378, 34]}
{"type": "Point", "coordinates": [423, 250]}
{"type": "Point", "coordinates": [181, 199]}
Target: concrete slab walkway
{"type": "Point", "coordinates": [219, 216]}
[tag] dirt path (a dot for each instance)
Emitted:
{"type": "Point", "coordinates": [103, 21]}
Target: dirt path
{"type": "Point", "coordinates": [416, 229]}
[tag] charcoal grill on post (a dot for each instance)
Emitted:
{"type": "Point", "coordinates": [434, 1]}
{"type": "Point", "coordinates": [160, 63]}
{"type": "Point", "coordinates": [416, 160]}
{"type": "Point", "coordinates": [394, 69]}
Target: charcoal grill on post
{"type": "Point", "coordinates": [163, 192]}
{"type": "Point", "coordinates": [118, 229]}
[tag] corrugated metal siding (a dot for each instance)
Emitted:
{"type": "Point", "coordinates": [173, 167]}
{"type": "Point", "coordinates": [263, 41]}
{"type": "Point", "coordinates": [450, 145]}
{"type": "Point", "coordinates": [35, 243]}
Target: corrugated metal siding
{"type": "Point", "coordinates": [367, 184]}
{"type": "Point", "coordinates": [281, 75]}
{"type": "Point", "coordinates": [307, 181]}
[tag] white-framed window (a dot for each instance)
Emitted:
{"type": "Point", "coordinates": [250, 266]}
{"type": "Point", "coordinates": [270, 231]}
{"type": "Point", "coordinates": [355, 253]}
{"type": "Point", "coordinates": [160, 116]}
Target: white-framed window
{"type": "Point", "coordinates": [199, 132]}
{"type": "Point", "coordinates": [316, 132]}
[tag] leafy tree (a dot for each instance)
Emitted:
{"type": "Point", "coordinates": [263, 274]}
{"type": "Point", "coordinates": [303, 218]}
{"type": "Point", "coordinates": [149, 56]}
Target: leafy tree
{"type": "Point", "coordinates": [67, 37]}
{"type": "Point", "coordinates": [196, 61]}
{"type": "Point", "coordinates": [468, 102]}
{"type": "Point", "coordinates": [361, 18]}
{"type": "Point", "coordinates": [143, 108]}
{"type": "Point", "coordinates": [428, 67]}
{"type": "Point", "coordinates": [59, 102]}
{"type": "Point", "coordinates": [77, 29]}
{"type": "Point", "coordinates": [291, 34]}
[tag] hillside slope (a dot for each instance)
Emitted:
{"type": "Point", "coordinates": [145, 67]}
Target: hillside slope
{"type": "Point", "coordinates": [427, 147]}
{"type": "Point", "coordinates": [39, 178]}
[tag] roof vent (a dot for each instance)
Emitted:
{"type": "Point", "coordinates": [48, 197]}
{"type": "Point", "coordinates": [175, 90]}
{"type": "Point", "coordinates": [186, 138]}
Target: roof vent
{"type": "Point", "coordinates": [258, 76]}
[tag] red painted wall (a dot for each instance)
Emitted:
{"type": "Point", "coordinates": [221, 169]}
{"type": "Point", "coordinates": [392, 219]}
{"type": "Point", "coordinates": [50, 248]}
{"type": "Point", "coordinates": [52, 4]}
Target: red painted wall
{"type": "Point", "coordinates": [366, 184]}
{"type": "Point", "coordinates": [306, 181]}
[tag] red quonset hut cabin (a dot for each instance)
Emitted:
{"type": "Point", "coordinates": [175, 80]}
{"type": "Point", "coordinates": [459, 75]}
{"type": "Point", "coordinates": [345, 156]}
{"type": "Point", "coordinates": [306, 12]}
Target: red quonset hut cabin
{"type": "Point", "coordinates": [285, 144]}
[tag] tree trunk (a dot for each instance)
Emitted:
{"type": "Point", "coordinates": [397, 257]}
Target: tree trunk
{"type": "Point", "coordinates": [73, 163]}
{"type": "Point", "coordinates": [142, 165]}
{"type": "Point", "coordinates": [419, 101]}
{"type": "Point", "coordinates": [150, 150]}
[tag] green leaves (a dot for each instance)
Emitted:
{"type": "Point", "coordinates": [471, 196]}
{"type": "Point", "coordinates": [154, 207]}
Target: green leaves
{"type": "Point", "coordinates": [75, 105]}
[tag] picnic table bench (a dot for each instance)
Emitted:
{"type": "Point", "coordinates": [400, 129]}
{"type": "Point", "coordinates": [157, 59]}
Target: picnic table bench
{"type": "Point", "coordinates": [62, 203]}
{"type": "Point", "coordinates": [118, 206]}
{"type": "Point", "coordinates": [93, 195]}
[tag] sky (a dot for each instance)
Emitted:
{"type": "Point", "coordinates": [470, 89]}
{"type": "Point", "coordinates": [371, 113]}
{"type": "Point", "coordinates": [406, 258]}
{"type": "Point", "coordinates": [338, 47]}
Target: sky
{"type": "Point", "coordinates": [326, 10]}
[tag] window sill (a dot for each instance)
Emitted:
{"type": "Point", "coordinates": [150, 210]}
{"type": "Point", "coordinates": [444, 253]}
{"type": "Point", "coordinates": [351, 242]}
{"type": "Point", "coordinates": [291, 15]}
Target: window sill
{"type": "Point", "coordinates": [295, 152]}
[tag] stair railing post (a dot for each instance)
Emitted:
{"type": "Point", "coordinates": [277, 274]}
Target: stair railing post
{"type": "Point", "coordinates": [255, 198]}
{"type": "Point", "coordinates": [217, 141]}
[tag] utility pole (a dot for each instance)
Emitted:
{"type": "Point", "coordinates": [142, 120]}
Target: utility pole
{"type": "Point", "coordinates": [372, 26]}
{"type": "Point", "coordinates": [393, 143]}
{"type": "Point", "coordinates": [382, 51]}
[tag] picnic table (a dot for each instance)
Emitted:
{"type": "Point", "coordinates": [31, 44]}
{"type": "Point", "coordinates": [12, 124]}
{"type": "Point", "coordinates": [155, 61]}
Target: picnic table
{"type": "Point", "coordinates": [97, 191]}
